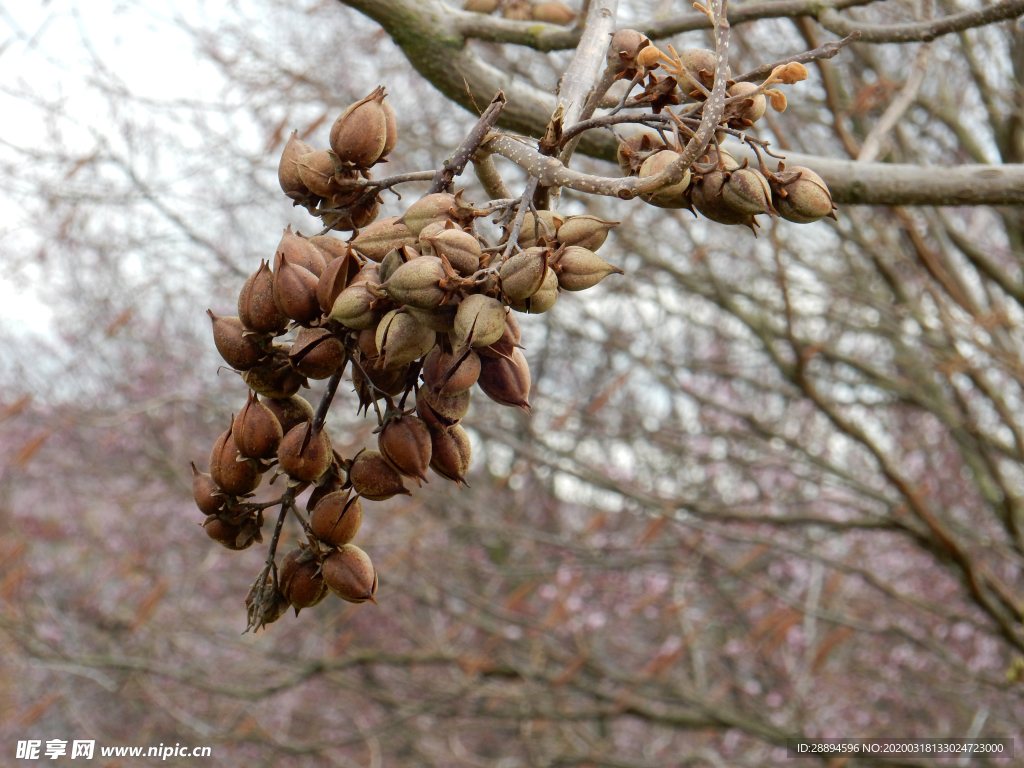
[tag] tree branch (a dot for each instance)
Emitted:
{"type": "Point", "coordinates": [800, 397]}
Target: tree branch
{"type": "Point", "coordinates": [922, 31]}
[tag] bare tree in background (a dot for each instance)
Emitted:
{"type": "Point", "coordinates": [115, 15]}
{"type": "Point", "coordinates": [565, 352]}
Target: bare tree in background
{"type": "Point", "coordinates": [770, 488]}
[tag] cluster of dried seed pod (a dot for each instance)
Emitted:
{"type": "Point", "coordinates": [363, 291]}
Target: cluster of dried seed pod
{"type": "Point", "coordinates": [549, 11]}
{"type": "Point", "coordinates": [418, 308]}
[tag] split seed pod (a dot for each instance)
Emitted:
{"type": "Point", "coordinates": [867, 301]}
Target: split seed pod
{"type": "Point", "coordinates": [350, 574]}
{"type": "Point", "coordinates": [579, 269]}
{"type": "Point", "coordinates": [401, 339]}
{"type": "Point", "coordinates": [336, 278]}
{"type": "Point", "coordinates": [336, 518]}
{"type": "Point", "coordinates": [441, 412]}
{"type": "Point", "coordinates": [287, 173]}
{"type": "Point", "coordinates": [374, 478]}
{"type": "Point", "coordinates": [276, 379]}
{"type": "Point", "coordinates": [300, 580]}
{"type": "Point", "coordinates": [232, 472]}
{"type": "Point", "coordinates": [257, 432]}
{"type": "Point", "coordinates": [317, 353]}
{"type": "Point", "coordinates": [295, 292]}
{"type": "Point", "coordinates": [208, 497]}
{"type": "Point", "coordinates": [317, 171]}
{"type": "Point", "coordinates": [544, 225]}
{"type": "Point", "coordinates": [506, 381]}
{"type": "Point", "coordinates": [238, 348]}
{"type": "Point", "coordinates": [805, 200]}
{"type": "Point", "coordinates": [462, 250]}
{"type": "Point", "coordinates": [585, 231]}
{"type": "Point", "coordinates": [330, 247]}
{"type": "Point", "coordinates": [227, 534]}
{"type": "Point", "coordinates": [290, 411]}
{"type": "Point", "coordinates": [673, 196]}
{"type": "Point", "coordinates": [417, 283]}
{"type": "Point", "coordinates": [256, 306]}
{"type": "Point", "coordinates": [360, 135]}
{"type": "Point", "coordinates": [747, 191]}
{"type": "Point", "coordinates": [405, 444]}
{"type": "Point", "coordinates": [381, 237]}
{"type": "Point", "coordinates": [450, 453]}
{"type": "Point", "coordinates": [543, 300]}
{"type": "Point", "coordinates": [304, 455]}
{"type": "Point", "coordinates": [479, 321]}
{"type": "Point", "coordinates": [523, 274]}
{"type": "Point", "coordinates": [448, 374]}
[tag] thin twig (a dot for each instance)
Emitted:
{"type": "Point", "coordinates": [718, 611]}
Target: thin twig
{"type": "Point", "coordinates": [459, 159]}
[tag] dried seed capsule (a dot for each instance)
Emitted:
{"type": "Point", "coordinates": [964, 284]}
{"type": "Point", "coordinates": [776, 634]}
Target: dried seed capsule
{"type": "Point", "coordinates": [448, 374]}
{"type": "Point", "coordinates": [209, 498]}
{"type": "Point", "coordinates": [701, 64]}
{"type": "Point", "coordinates": [707, 199]}
{"type": "Point", "coordinates": [441, 412]}
{"type": "Point", "coordinates": [300, 579]}
{"type": "Point", "coordinates": [673, 196]}
{"type": "Point", "coordinates": [401, 339]}
{"type": "Point", "coordinates": [238, 348]}
{"type": "Point", "coordinates": [330, 247]}
{"type": "Point", "coordinates": [232, 473]}
{"type": "Point", "coordinates": [375, 479]}
{"type": "Point", "coordinates": [274, 379]}
{"type": "Point", "coordinates": [579, 269]}
{"type": "Point", "coordinates": [481, 6]}
{"type": "Point", "coordinates": [431, 208]}
{"type": "Point", "coordinates": [746, 112]}
{"type": "Point", "coordinates": [300, 252]}
{"type": "Point", "coordinates": [317, 170]}
{"type": "Point", "coordinates": [516, 10]}
{"type": "Point", "coordinates": [479, 321]}
{"type": "Point", "coordinates": [432, 229]}
{"type": "Point", "coordinates": [544, 225]}
{"type": "Point", "coordinates": [317, 353]}
{"type": "Point", "coordinates": [440, 320]}
{"type": "Point", "coordinates": [257, 432]}
{"type": "Point", "coordinates": [417, 283]}
{"type": "Point", "coordinates": [506, 381]}
{"type": "Point", "coordinates": [360, 135]}
{"type": "Point", "coordinates": [287, 173]}
{"type": "Point", "coordinates": [806, 199]}
{"type": "Point", "coordinates": [354, 308]}
{"type": "Point", "coordinates": [543, 300]}
{"type": "Point", "coordinates": [295, 292]}
{"type": "Point", "coordinates": [523, 274]}
{"type": "Point", "coordinates": [256, 306]}
{"type": "Point", "coordinates": [336, 278]}
{"type": "Point", "coordinates": [228, 534]}
{"type": "Point", "coordinates": [585, 231]}
{"type": "Point", "coordinates": [305, 455]}
{"type": "Point", "coordinates": [746, 191]}
{"type": "Point", "coordinates": [275, 604]}
{"type": "Point", "coordinates": [509, 340]}
{"type": "Point", "coordinates": [632, 151]}
{"type": "Point", "coordinates": [462, 250]}
{"type": "Point", "coordinates": [450, 453]}
{"type": "Point", "coordinates": [391, 124]}
{"type": "Point", "coordinates": [390, 381]}
{"type": "Point", "coordinates": [290, 411]}
{"type": "Point", "coordinates": [405, 444]}
{"type": "Point", "coordinates": [623, 48]}
{"type": "Point", "coordinates": [350, 574]}
{"type": "Point", "coordinates": [336, 518]}
{"type": "Point", "coordinates": [381, 237]}
{"type": "Point", "coordinates": [552, 12]}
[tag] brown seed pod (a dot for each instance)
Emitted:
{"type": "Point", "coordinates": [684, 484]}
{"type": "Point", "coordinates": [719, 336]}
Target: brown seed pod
{"type": "Point", "coordinates": [305, 455]}
{"type": "Point", "coordinates": [481, 6]}
{"type": "Point", "coordinates": [209, 498]}
{"type": "Point", "coordinates": [448, 374]}
{"type": "Point", "coordinates": [632, 151]}
{"type": "Point", "coordinates": [295, 292]}
{"type": "Point", "coordinates": [441, 412]}
{"type": "Point", "coordinates": [440, 320]}
{"type": "Point", "coordinates": [523, 274]}
{"type": "Point", "coordinates": [355, 307]}
{"type": "Point", "coordinates": [479, 321]}
{"type": "Point", "coordinates": [431, 208]}
{"type": "Point", "coordinates": [804, 200]}
{"type": "Point", "coordinates": [317, 353]}
{"type": "Point", "coordinates": [316, 170]}
{"type": "Point", "coordinates": [432, 229]}
{"type": "Point", "coordinates": [290, 411]}
{"type": "Point", "coordinates": [552, 12]}
{"type": "Point", "coordinates": [405, 444]}
{"type": "Point", "coordinates": [516, 10]}
{"type": "Point", "coordinates": [578, 269]}
{"type": "Point", "coordinates": [585, 231]}
{"type": "Point", "coordinates": [336, 278]}
{"type": "Point", "coordinates": [350, 574]}
{"type": "Point", "coordinates": [509, 340]}
{"type": "Point", "coordinates": [744, 113]}
{"type": "Point", "coordinates": [707, 199]}
{"type": "Point", "coordinates": [701, 64]}
{"type": "Point", "coordinates": [506, 381]}
{"type": "Point", "coordinates": [746, 191]}
{"type": "Point", "coordinates": [400, 339]}
{"type": "Point", "coordinates": [275, 604]}
{"type": "Point", "coordinates": [274, 379]}
{"type": "Point", "coordinates": [543, 226]}
{"type": "Point", "coordinates": [336, 518]}
{"type": "Point", "coordinates": [300, 580]}
{"type": "Point", "coordinates": [300, 252]}
{"type": "Point", "coordinates": [381, 237]}
{"type": "Point", "coordinates": [239, 348]}
{"type": "Point", "coordinates": [543, 300]}
{"type": "Point", "coordinates": [287, 173]}
{"type": "Point", "coordinates": [360, 134]}
{"type": "Point", "coordinates": [673, 196]}
{"type": "Point", "coordinates": [623, 49]}
{"type": "Point", "coordinates": [390, 381]}
{"type": "Point", "coordinates": [353, 214]}
{"type": "Point", "coordinates": [227, 534]}
{"type": "Point", "coordinates": [331, 247]}
{"type": "Point", "coordinates": [374, 478]}
{"type": "Point", "coordinates": [257, 432]}
{"type": "Point", "coordinates": [462, 250]}
{"type": "Point", "coordinates": [256, 306]}
{"type": "Point", "coordinates": [450, 453]}
{"type": "Point", "coordinates": [231, 471]}
{"type": "Point", "coordinates": [417, 283]}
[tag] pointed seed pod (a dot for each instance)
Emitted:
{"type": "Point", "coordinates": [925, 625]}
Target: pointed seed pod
{"type": "Point", "coordinates": [391, 125]}
{"type": "Point", "coordinates": [516, 10]}
{"type": "Point", "coordinates": [585, 231]}
{"type": "Point", "coordinates": [432, 229]}
{"type": "Point", "coordinates": [317, 353]}
{"type": "Point", "coordinates": [405, 444]}
{"type": "Point", "coordinates": [228, 534]}
{"type": "Point", "coordinates": [440, 320]}
{"type": "Point", "coordinates": [381, 237]}
{"type": "Point", "coordinates": [287, 173]}
{"type": "Point", "coordinates": [543, 300]}
{"type": "Point", "coordinates": [509, 340]}
{"type": "Point", "coordinates": [317, 170]}
{"type": "Point", "coordinates": [431, 208]}
{"type": "Point", "coordinates": [450, 453]}
{"type": "Point", "coordinates": [748, 111]}
{"type": "Point", "coordinates": [747, 191]}
{"type": "Point", "coordinates": [274, 379]}
{"type": "Point", "coordinates": [336, 278]}
{"type": "Point", "coordinates": [331, 248]}
{"type": "Point", "coordinates": [707, 199]}
{"type": "Point", "coordinates": [295, 292]}
{"type": "Point", "coordinates": [481, 6]}
{"type": "Point", "coordinates": [350, 574]}
{"type": "Point", "coordinates": [579, 269]}
{"type": "Point", "coordinates": [506, 381]}
{"type": "Point", "coordinates": [701, 63]}
{"type": "Point", "coordinates": [667, 197]}
{"type": "Point", "coordinates": [623, 48]}
{"type": "Point", "coordinates": [374, 478]}
{"type": "Point", "coordinates": [304, 455]}
{"type": "Point", "coordinates": [807, 199]}
{"type": "Point", "coordinates": [256, 306]}
{"type": "Point", "coordinates": [417, 283]}
{"type": "Point", "coordinates": [300, 580]}
{"type": "Point", "coordinates": [462, 250]}
{"type": "Point", "coordinates": [240, 350]}
{"type": "Point", "coordinates": [392, 261]}
{"type": "Point", "coordinates": [257, 432]}
{"type": "Point", "coordinates": [401, 339]}
{"type": "Point", "coordinates": [360, 133]}
{"type": "Point", "coordinates": [232, 476]}
{"type": "Point", "coordinates": [447, 374]}
{"type": "Point", "coordinates": [208, 497]}
{"type": "Point", "coordinates": [479, 321]}
{"type": "Point", "coordinates": [523, 274]}
{"type": "Point", "coordinates": [544, 225]}
{"type": "Point", "coordinates": [441, 412]}
{"type": "Point", "coordinates": [290, 411]}
{"type": "Point", "coordinates": [552, 12]}
{"type": "Point", "coordinates": [354, 308]}
{"type": "Point", "coordinates": [300, 252]}
{"type": "Point", "coordinates": [336, 518]}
